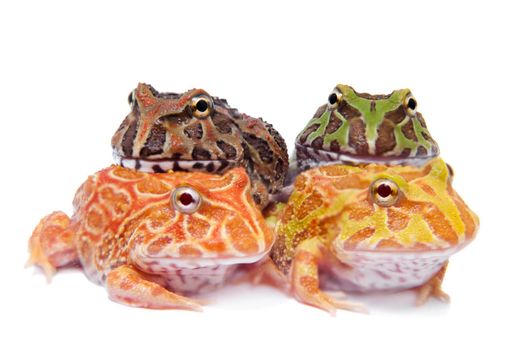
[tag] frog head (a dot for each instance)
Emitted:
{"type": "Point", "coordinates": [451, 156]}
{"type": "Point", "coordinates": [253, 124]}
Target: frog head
{"type": "Point", "coordinates": [398, 208]}
{"type": "Point", "coordinates": [375, 208]}
{"type": "Point", "coordinates": [197, 220]}
{"type": "Point", "coordinates": [357, 128]}
{"type": "Point", "coordinates": [194, 131]}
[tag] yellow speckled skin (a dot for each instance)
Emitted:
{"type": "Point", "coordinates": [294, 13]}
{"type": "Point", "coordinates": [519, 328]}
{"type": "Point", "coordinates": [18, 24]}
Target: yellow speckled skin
{"type": "Point", "coordinates": [332, 230]}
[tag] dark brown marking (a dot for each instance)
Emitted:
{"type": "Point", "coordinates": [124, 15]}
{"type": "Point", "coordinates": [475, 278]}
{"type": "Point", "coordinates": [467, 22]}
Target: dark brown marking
{"type": "Point", "coordinates": [223, 166]}
{"type": "Point", "coordinates": [229, 151]}
{"type": "Point", "coordinates": [357, 137]}
{"type": "Point", "coordinates": [421, 151]}
{"type": "Point", "coordinates": [347, 111]}
{"type": "Point", "coordinates": [222, 123]}
{"type": "Point", "coordinates": [334, 146]}
{"type": "Point", "coordinates": [421, 120]}
{"type": "Point", "coordinates": [408, 130]}
{"type": "Point", "coordinates": [372, 106]}
{"type": "Point", "coordinates": [334, 123]}
{"type": "Point", "coordinates": [386, 140]}
{"type": "Point", "coordinates": [200, 153]}
{"type": "Point", "coordinates": [276, 137]}
{"type": "Point", "coordinates": [157, 169]}
{"type": "Point", "coordinates": [155, 142]}
{"type": "Point", "coordinates": [129, 138]}
{"type": "Point", "coordinates": [307, 132]}
{"type": "Point", "coordinates": [261, 146]}
{"type": "Point", "coordinates": [426, 136]}
{"type": "Point", "coordinates": [194, 131]}
{"type": "Point", "coordinates": [317, 142]}
{"type": "Point", "coordinates": [397, 115]}
{"type": "Point", "coordinates": [405, 152]}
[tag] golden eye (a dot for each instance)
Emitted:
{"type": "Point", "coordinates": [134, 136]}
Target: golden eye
{"type": "Point", "coordinates": [186, 200]}
{"type": "Point", "coordinates": [334, 98]}
{"type": "Point", "coordinates": [384, 192]}
{"type": "Point", "coordinates": [411, 105]}
{"type": "Point", "coordinates": [201, 106]}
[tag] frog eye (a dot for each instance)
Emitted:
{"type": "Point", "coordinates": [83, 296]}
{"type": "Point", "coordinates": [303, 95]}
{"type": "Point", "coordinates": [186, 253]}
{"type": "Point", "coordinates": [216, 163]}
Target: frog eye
{"type": "Point", "coordinates": [186, 200]}
{"type": "Point", "coordinates": [131, 99]}
{"type": "Point", "coordinates": [384, 192]}
{"type": "Point", "coordinates": [334, 98]}
{"type": "Point", "coordinates": [201, 106]}
{"type": "Point", "coordinates": [411, 105]}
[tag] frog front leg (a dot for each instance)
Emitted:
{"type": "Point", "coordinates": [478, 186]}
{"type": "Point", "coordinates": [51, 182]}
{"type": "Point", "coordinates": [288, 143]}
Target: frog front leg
{"type": "Point", "coordinates": [126, 285]}
{"type": "Point", "coordinates": [305, 279]}
{"type": "Point", "coordinates": [432, 288]}
{"type": "Point", "coordinates": [52, 244]}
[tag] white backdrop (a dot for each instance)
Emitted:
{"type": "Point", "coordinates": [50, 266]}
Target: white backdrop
{"type": "Point", "coordinates": [66, 70]}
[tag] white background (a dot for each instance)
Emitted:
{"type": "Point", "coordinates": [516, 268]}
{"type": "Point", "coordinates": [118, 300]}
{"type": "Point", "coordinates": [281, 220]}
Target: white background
{"type": "Point", "coordinates": [66, 70]}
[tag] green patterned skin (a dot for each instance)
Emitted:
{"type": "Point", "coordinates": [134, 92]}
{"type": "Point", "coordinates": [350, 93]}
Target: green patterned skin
{"type": "Point", "coordinates": [357, 128]}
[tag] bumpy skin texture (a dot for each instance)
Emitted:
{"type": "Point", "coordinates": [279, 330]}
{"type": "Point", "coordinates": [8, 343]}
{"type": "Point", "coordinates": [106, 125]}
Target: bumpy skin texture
{"type": "Point", "coordinates": [358, 128]}
{"type": "Point", "coordinates": [168, 131]}
{"type": "Point", "coordinates": [336, 231]}
{"type": "Point", "coordinates": [128, 233]}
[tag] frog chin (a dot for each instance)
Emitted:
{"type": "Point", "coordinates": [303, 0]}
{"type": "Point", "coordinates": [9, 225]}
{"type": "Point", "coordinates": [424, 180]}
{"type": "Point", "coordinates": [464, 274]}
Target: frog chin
{"type": "Point", "coordinates": [163, 165]}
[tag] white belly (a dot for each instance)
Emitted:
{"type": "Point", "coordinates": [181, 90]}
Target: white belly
{"type": "Point", "coordinates": [375, 271]}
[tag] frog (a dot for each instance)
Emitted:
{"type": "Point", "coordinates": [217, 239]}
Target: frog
{"type": "Point", "coordinates": [360, 128]}
{"type": "Point", "coordinates": [194, 131]}
{"type": "Point", "coordinates": [370, 228]}
{"type": "Point", "coordinates": [155, 240]}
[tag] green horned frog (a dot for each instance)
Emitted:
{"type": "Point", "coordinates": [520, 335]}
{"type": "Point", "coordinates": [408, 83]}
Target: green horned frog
{"type": "Point", "coordinates": [360, 128]}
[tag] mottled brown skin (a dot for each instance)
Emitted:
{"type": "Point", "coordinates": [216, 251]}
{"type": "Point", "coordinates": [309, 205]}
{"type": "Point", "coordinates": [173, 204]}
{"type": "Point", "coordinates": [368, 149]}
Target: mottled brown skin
{"type": "Point", "coordinates": [167, 131]}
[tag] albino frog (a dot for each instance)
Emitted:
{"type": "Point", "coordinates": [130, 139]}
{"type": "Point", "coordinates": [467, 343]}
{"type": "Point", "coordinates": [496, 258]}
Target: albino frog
{"type": "Point", "coordinates": [153, 238]}
{"type": "Point", "coordinates": [370, 228]}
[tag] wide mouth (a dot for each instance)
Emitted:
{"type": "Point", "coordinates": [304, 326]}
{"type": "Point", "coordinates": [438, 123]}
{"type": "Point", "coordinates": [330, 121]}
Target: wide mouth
{"type": "Point", "coordinates": [164, 165]}
{"type": "Point", "coordinates": [407, 253]}
{"type": "Point", "coordinates": [323, 156]}
{"type": "Point", "coordinates": [202, 266]}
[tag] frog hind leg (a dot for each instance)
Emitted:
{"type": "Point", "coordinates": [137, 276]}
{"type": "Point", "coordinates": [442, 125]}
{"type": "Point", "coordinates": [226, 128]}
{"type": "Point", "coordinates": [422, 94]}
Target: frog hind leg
{"type": "Point", "coordinates": [52, 244]}
{"type": "Point", "coordinates": [432, 288]}
{"type": "Point", "coordinates": [128, 286]}
{"type": "Point", "coordinates": [305, 279]}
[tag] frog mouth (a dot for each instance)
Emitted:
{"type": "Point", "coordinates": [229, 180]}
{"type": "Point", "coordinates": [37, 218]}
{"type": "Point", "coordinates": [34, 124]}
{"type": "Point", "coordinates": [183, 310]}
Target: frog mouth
{"type": "Point", "coordinates": [167, 164]}
{"type": "Point", "coordinates": [323, 157]}
{"type": "Point", "coordinates": [167, 265]}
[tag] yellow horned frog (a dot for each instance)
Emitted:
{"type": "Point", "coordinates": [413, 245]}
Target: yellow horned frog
{"type": "Point", "coordinates": [371, 228]}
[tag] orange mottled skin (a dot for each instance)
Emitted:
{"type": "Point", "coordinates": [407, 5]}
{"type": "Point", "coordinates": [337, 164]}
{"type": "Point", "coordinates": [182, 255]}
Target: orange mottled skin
{"type": "Point", "coordinates": [127, 234]}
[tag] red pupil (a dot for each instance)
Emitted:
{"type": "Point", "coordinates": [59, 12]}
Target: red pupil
{"type": "Point", "coordinates": [185, 199]}
{"type": "Point", "coordinates": [384, 190]}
